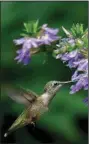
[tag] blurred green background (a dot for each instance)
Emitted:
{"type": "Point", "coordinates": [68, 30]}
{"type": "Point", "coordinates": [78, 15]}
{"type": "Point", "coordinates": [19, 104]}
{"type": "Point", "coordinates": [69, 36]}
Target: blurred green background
{"type": "Point", "coordinates": [66, 121]}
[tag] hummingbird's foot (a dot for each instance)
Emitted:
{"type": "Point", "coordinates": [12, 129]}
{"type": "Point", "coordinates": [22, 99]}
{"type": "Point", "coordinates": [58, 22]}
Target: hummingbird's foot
{"type": "Point", "coordinates": [33, 124]}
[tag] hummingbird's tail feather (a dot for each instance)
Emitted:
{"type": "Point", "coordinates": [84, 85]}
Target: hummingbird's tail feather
{"type": "Point", "coordinates": [14, 127]}
{"type": "Point", "coordinates": [5, 135]}
{"type": "Point", "coordinates": [21, 121]}
{"type": "Point", "coordinates": [8, 132]}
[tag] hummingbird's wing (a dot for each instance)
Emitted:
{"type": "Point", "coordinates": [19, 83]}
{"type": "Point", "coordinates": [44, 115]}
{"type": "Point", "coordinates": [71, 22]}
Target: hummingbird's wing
{"type": "Point", "coordinates": [21, 95]}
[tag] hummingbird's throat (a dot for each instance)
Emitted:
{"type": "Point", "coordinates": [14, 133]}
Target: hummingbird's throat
{"type": "Point", "coordinates": [46, 98]}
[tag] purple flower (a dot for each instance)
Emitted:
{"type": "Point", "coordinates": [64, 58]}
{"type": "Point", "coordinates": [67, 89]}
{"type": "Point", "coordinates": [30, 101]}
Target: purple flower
{"type": "Point", "coordinates": [19, 41]}
{"type": "Point", "coordinates": [81, 78]}
{"type": "Point", "coordinates": [48, 39]}
{"type": "Point", "coordinates": [23, 56]}
{"type": "Point", "coordinates": [27, 42]}
{"type": "Point", "coordinates": [70, 57]}
{"type": "Point", "coordinates": [71, 42]}
{"type": "Point", "coordinates": [49, 31]}
{"type": "Point", "coordinates": [82, 64]}
{"type": "Point", "coordinates": [85, 100]}
{"type": "Point", "coordinates": [49, 35]}
{"type": "Point", "coordinates": [24, 52]}
{"type": "Point", "coordinates": [82, 82]}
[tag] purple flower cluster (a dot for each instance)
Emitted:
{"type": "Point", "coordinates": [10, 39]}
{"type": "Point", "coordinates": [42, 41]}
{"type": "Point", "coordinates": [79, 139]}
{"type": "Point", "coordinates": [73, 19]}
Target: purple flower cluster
{"type": "Point", "coordinates": [81, 81]}
{"type": "Point", "coordinates": [76, 60]}
{"type": "Point", "coordinates": [70, 57]}
{"type": "Point", "coordinates": [47, 36]}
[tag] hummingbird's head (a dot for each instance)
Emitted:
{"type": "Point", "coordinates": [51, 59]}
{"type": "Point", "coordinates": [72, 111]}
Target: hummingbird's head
{"type": "Point", "coordinates": [52, 87]}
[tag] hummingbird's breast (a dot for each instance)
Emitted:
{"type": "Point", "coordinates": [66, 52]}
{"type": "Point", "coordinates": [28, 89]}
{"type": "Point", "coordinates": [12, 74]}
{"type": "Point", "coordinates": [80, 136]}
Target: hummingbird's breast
{"type": "Point", "coordinates": [38, 108]}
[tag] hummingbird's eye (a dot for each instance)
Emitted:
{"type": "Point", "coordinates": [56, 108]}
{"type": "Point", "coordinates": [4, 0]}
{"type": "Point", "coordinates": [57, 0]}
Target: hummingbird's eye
{"type": "Point", "coordinates": [55, 84]}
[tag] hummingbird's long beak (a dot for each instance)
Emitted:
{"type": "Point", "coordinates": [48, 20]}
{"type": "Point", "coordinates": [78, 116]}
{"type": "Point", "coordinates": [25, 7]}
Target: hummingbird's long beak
{"type": "Point", "coordinates": [65, 82]}
{"type": "Point", "coordinates": [61, 83]}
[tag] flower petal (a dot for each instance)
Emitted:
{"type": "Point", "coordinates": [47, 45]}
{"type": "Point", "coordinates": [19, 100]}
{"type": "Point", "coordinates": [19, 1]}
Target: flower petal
{"type": "Point", "coordinates": [19, 41]}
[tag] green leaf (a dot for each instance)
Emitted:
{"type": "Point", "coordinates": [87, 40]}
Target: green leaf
{"type": "Point", "coordinates": [35, 26]}
{"type": "Point", "coordinates": [77, 30]}
{"type": "Point", "coordinates": [26, 27]}
{"type": "Point", "coordinates": [31, 27]}
{"type": "Point", "coordinates": [66, 32]}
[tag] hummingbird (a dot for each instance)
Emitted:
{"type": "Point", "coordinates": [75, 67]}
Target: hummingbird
{"type": "Point", "coordinates": [35, 105]}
